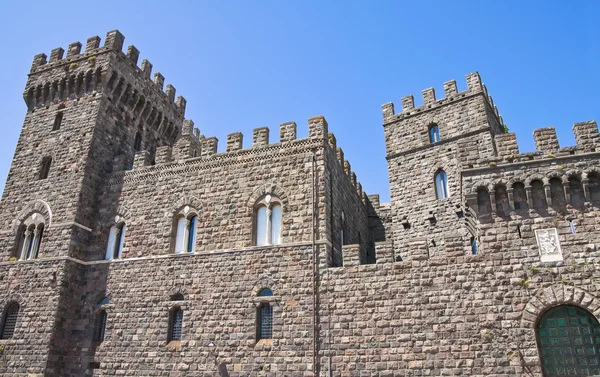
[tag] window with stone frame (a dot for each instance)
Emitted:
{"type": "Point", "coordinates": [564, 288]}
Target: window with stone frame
{"type": "Point", "coordinates": [434, 133]}
{"type": "Point", "coordinates": [45, 168]}
{"type": "Point", "coordinates": [264, 320]}
{"type": "Point", "coordinates": [100, 326]}
{"type": "Point", "coordinates": [441, 185]}
{"type": "Point", "coordinates": [267, 221]}
{"type": "Point", "coordinates": [185, 231]}
{"type": "Point", "coordinates": [473, 243]}
{"type": "Point", "coordinates": [175, 320]}
{"type": "Point", "coordinates": [29, 237]}
{"type": "Point", "coordinates": [57, 121]}
{"type": "Point", "coordinates": [9, 321]}
{"type": "Point", "coordinates": [116, 239]}
{"type": "Point", "coordinates": [520, 196]}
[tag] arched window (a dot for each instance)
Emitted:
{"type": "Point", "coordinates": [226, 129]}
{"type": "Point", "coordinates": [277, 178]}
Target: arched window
{"type": "Point", "coordinates": [30, 235]}
{"type": "Point", "coordinates": [538, 193]}
{"type": "Point", "coordinates": [185, 236]}
{"type": "Point", "coordinates": [100, 326]}
{"type": "Point", "coordinates": [520, 196]}
{"type": "Point", "coordinates": [264, 325]}
{"type": "Point", "coordinates": [57, 121]}
{"type": "Point", "coordinates": [175, 324]}
{"type": "Point", "coordinates": [45, 168]}
{"type": "Point", "coordinates": [441, 185]}
{"type": "Point", "coordinates": [576, 189]}
{"type": "Point", "coordinates": [434, 133]}
{"type": "Point", "coordinates": [502, 207]}
{"type": "Point", "coordinates": [483, 201]}
{"type": "Point", "coordinates": [594, 187]}
{"type": "Point", "coordinates": [9, 322]}
{"type": "Point", "coordinates": [568, 342]}
{"type": "Point", "coordinates": [473, 245]}
{"type": "Point", "coordinates": [557, 192]}
{"type": "Point", "coordinates": [267, 223]}
{"type": "Point", "coordinates": [116, 237]}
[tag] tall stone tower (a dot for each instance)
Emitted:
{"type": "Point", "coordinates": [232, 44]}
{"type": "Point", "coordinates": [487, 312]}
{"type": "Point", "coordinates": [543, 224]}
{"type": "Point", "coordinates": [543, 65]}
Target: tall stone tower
{"type": "Point", "coordinates": [426, 149]}
{"type": "Point", "coordinates": [86, 113]}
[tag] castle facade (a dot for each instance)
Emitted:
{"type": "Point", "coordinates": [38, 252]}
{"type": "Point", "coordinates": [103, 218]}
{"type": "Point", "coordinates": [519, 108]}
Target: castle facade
{"type": "Point", "coordinates": [130, 247]}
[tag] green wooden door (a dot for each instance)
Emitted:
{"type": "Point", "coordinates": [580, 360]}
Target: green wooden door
{"type": "Point", "coordinates": [569, 340]}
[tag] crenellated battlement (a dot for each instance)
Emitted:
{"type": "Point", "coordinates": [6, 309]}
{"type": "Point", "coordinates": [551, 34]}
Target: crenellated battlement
{"type": "Point", "coordinates": [587, 140]}
{"type": "Point", "coordinates": [191, 139]}
{"type": "Point", "coordinates": [96, 70]}
{"type": "Point", "coordinates": [430, 101]}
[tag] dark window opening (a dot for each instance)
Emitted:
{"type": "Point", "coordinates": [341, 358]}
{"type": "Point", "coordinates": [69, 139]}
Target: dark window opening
{"type": "Point", "coordinates": [594, 187]}
{"type": "Point", "coordinates": [137, 145]}
{"type": "Point", "coordinates": [484, 205]}
{"type": "Point", "coordinates": [176, 324]}
{"type": "Point", "coordinates": [538, 193]}
{"type": "Point", "coordinates": [576, 189]}
{"type": "Point", "coordinates": [46, 162]}
{"type": "Point", "coordinates": [502, 207]}
{"type": "Point", "coordinates": [265, 322]}
{"type": "Point", "coordinates": [520, 196]}
{"type": "Point", "coordinates": [57, 121]}
{"type": "Point", "coordinates": [10, 321]}
{"type": "Point", "coordinates": [101, 326]}
{"type": "Point", "coordinates": [473, 245]}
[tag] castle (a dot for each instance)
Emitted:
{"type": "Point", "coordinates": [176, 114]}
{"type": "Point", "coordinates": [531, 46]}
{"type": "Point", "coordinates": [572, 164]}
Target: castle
{"type": "Point", "coordinates": [130, 247]}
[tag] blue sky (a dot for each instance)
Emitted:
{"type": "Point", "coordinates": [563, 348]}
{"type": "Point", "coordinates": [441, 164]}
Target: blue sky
{"type": "Point", "coordinates": [248, 64]}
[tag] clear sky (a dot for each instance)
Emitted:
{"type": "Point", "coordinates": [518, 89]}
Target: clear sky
{"type": "Point", "coordinates": [248, 64]}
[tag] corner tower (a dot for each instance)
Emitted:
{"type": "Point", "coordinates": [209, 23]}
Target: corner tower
{"type": "Point", "coordinates": [427, 147]}
{"type": "Point", "coordinates": [85, 111]}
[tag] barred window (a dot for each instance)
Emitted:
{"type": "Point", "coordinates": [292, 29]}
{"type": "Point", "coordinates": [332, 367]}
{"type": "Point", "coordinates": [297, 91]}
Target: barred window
{"type": "Point", "coordinates": [264, 326]}
{"type": "Point", "coordinates": [10, 321]}
{"type": "Point", "coordinates": [176, 324]}
{"type": "Point", "coordinates": [101, 326]}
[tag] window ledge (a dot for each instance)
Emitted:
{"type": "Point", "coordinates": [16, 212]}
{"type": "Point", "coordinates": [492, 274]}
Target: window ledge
{"type": "Point", "coordinates": [174, 345]}
{"type": "Point", "coordinates": [264, 344]}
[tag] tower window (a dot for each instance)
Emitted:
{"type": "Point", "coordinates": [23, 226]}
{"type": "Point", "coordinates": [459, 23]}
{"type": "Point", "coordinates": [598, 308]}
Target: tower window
{"type": "Point", "coordinates": [185, 238]}
{"type": "Point", "coordinates": [57, 121]}
{"type": "Point", "coordinates": [30, 238]}
{"type": "Point", "coordinates": [116, 237]}
{"type": "Point", "coordinates": [9, 322]}
{"type": "Point", "coordinates": [434, 133]}
{"type": "Point", "coordinates": [101, 326]}
{"type": "Point", "coordinates": [264, 325]}
{"type": "Point", "coordinates": [175, 324]}
{"type": "Point", "coordinates": [268, 216]}
{"type": "Point", "coordinates": [45, 169]}
{"type": "Point", "coordinates": [441, 185]}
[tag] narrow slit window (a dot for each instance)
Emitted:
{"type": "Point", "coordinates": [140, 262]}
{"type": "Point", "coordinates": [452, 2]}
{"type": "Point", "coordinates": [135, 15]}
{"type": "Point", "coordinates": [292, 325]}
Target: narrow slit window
{"type": "Point", "coordinates": [45, 169]}
{"type": "Point", "coordinates": [261, 226]}
{"type": "Point", "coordinates": [176, 325]}
{"type": "Point", "coordinates": [10, 321]}
{"type": "Point", "coordinates": [101, 326]}
{"type": "Point", "coordinates": [265, 330]}
{"type": "Point", "coordinates": [137, 145]}
{"type": "Point", "coordinates": [57, 121]}
{"type": "Point", "coordinates": [473, 246]}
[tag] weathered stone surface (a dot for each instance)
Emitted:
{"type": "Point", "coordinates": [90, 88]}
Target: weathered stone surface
{"type": "Point", "coordinates": [370, 288]}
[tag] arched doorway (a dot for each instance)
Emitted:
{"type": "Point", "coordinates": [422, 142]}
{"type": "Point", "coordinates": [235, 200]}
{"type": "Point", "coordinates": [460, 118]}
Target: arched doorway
{"type": "Point", "coordinates": [569, 342]}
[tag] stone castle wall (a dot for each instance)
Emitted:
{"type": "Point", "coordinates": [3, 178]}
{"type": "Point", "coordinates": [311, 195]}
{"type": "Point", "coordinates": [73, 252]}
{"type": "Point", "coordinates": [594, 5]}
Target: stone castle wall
{"type": "Point", "coordinates": [386, 289]}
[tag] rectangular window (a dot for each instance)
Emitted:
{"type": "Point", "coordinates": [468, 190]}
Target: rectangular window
{"type": "Point", "coordinates": [265, 330]}
{"type": "Point", "coordinates": [176, 325]}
